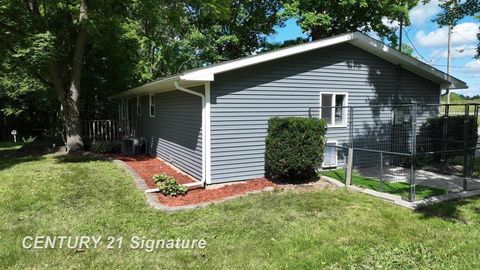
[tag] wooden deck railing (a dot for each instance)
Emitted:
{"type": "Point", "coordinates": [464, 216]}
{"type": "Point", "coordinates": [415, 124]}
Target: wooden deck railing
{"type": "Point", "coordinates": [109, 130]}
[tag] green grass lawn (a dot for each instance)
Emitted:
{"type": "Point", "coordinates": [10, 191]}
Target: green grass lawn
{"type": "Point", "coordinates": [402, 189]}
{"type": "Point", "coordinates": [8, 145]}
{"type": "Point", "coordinates": [332, 228]}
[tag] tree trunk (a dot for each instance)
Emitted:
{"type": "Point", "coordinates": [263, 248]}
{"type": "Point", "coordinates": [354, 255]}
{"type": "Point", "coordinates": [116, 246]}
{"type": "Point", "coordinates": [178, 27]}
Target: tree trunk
{"type": "Point", "coordinates": [71, 104]}
{"type": "Point", "coordinates": [317, 33]}
{"type": "Point", "coordinates": [69, 98]}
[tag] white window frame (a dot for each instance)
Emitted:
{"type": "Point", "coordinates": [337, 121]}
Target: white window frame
{"type": "Point", "coordinates": [336, 155]}
{"type": "Point", "coordinates": [345, 111]}
{"type": "Point", "coordinates": [139, 106]}
{"type": "Point", "coordinates": [150, 105]}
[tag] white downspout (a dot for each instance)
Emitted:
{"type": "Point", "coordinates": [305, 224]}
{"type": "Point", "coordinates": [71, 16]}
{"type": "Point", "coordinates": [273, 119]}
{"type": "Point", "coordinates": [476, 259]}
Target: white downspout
{"type": "Point", "coordinates": [204, 128]}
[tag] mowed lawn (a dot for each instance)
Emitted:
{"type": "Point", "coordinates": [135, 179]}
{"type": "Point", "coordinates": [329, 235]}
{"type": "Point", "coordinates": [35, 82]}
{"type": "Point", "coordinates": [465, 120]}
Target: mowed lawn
{"type": "Point", "coordinates": [332, 228]}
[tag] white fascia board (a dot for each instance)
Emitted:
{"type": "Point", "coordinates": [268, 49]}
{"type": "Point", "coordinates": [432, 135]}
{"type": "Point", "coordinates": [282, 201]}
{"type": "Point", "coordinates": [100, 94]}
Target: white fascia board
{"type": "Point", "coordinates": [207, 74]}
{"type": "Point", "coordinates": [146, 88]}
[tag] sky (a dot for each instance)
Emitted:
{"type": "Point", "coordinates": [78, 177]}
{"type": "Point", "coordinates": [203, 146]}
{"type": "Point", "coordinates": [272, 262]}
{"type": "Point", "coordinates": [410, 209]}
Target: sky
{"type": "Point", "coordinates": [430, 43]}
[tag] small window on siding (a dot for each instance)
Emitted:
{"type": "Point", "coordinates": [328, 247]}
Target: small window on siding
{"type": "Point", "coordinates": [152, 105]}
{"type": "Point", "coordinates": [333, 108]}
{"type": "Point", "coordinates": [139, 107]}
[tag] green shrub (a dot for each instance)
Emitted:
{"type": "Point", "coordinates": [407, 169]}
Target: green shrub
{"type": "Point", "coordinates": [430, 137]}
{"type": "Point", "coordinates": [160, 178]}
{"type": "Point", "coordinates": [294, 147]}
{"type": "Point", "coordinates": [105, 147]}
{"type": "Point", "coordinates": [170, 188]}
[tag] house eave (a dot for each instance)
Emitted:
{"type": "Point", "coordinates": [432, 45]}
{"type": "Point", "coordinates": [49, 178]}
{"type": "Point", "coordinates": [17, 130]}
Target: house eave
{"type": "Point", "coordinates": [207, 74]}
{"type": "Point", "coordinates": [159, 86]}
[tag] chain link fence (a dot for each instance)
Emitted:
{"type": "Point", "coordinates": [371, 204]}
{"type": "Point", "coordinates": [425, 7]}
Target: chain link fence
{"type": "Point", "coordinates": [419, 150]}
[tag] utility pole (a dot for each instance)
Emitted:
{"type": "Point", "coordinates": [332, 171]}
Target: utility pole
{"type": "Point", "coordinates": [400, 43]}
{"type": "Point", "coordinates": [449, 41]}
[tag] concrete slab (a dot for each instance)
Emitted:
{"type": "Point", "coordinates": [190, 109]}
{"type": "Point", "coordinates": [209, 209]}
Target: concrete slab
{"type": "Point", "coordinates": [449, 182]}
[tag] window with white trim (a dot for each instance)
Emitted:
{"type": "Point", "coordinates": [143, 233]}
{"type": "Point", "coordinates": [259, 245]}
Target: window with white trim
{"type": "Point", "coordinates": [152, 105]}
{"type": "Point", "coordinates": [333, 108]}
{"type": "Point", "coordinates": [139, 107]}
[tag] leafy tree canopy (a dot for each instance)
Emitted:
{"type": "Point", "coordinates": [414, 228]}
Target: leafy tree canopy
{"type": "Point", "coordinates": [455, 10]}
{"type": "Point", "coordinates": [324, 18]}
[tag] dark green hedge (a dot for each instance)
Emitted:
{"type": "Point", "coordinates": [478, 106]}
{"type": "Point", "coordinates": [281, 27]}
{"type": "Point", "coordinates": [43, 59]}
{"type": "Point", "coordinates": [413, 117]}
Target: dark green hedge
{"type": "Point", "coordinates": [430, 137]}
{"type": "Point", "coordinates": [294, 147]}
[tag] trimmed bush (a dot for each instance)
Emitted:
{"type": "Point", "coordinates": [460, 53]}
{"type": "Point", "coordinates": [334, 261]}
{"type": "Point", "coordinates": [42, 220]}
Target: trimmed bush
{"type": "Point", "coordinates": [294, 147]}
{"type": "Point", "coordinates": [430, 138]}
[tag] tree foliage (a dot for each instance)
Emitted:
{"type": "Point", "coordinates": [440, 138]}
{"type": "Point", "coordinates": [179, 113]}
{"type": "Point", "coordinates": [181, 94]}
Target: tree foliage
{"type": "Point", "coordinates": [455, 10]}
{"type": "Point", "coordinates": [324, 18]}
{"type": "Point", "coordinates": [125, 43]}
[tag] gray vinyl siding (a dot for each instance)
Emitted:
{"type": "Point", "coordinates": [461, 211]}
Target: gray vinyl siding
{"type": "Point", "coordinates": [243, 100]}
{"type": "Point", "coordinates": [175, 133]}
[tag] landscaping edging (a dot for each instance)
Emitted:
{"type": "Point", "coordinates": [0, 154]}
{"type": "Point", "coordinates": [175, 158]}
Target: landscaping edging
{"type": "Point", "coordinates": [152, 198]}
{"type": "Point", "coordinates": [397, 200]}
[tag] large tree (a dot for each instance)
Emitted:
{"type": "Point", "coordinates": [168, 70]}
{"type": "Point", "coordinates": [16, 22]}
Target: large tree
{"type": "Point", "coordinates": [84, 51]}
{"type": "Point", "coordinates": [48, 38]}
{"type": "Point", "coordinates": [455, 10]}
{"type": "Point", "coordinates": [324, 18]}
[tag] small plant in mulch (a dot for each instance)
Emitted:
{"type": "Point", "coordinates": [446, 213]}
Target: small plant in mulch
{"type": "Point", "coordinates": [160, 178]}
{"type": "Point", "coordinates": [168, 185]}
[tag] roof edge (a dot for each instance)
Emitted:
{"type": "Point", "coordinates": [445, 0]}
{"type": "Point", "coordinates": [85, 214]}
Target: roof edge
{"type": "Point", "coordinates": [361, 40]}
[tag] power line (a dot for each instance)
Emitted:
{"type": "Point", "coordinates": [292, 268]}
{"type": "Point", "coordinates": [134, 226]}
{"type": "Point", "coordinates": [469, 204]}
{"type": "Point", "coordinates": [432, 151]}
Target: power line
{"type": "Point", "coordinates": [464, 37]}
{"type": "Point", "coordinates": [415, 48]}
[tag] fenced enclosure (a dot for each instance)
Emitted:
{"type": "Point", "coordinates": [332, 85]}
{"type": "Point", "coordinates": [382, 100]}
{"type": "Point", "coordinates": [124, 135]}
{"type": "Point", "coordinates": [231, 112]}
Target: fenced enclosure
{"type": "Point", "coordinates": [423, 149]}
{"type": "Point", "coordinates": [109, 130]}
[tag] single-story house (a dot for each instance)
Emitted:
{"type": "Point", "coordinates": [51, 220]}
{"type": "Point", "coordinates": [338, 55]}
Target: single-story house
{"type": "Point", "coordinates": [211, 122]}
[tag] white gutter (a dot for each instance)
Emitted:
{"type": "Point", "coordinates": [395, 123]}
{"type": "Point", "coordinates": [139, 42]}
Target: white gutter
{"type": "Point", "coordinates": [204, 128]}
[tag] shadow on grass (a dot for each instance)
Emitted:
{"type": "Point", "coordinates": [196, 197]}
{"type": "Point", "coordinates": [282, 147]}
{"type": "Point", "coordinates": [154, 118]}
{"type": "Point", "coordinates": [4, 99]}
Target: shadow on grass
{"type": "Point", "coordinates": [298, 181]}
{"type": "Point", "coordinates": [450, 210]}
{"type": "Point", "coordinates": [33, 151]}
{"type": "Point", "coordinates": [79, 157]}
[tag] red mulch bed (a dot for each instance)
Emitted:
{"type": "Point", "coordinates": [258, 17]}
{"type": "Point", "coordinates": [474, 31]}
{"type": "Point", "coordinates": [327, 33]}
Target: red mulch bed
{"type": "Point", "coordinates": [197, 196]}
{"type": "Point", "coordinates": [148, 166]}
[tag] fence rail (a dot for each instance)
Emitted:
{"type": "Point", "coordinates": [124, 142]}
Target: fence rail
{"type": "Point", "coordinates": [432, 146]}
{"type": "Point", "coordinates": [109, 130]}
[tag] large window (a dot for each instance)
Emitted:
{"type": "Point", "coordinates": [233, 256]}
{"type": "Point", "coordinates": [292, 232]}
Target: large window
{"type": "Point", "coordinates": [152, 105]}
{"type": "Point", "coordinates": [333, 109]}
{"type": "Point", "coordinates": [139, 107]}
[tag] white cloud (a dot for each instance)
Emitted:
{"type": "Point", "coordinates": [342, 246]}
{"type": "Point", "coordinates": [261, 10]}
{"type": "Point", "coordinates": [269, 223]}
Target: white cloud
{"type": "Point", "coordinates": [387, 22]}
{"type": "Point", "coordinates": [475, 64]}
{"type": "Point", "coordinates": [421, 14]}
{"type": "Point", "coordinates": [456, 51]}
{"type": "Point", "coordinates": [464, 33]}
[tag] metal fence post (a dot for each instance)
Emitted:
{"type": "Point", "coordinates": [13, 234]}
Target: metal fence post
{"type": "Point", "coordinates": [381, 171]}
{"type": "Point", "coordinates": [413, 153]}
{"type": "Point", "coordinates": [348, 177]}
{"type": "Point", "coordinates": [466, 162]}
{"type": "Point", "coordinates": [443, 159]}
